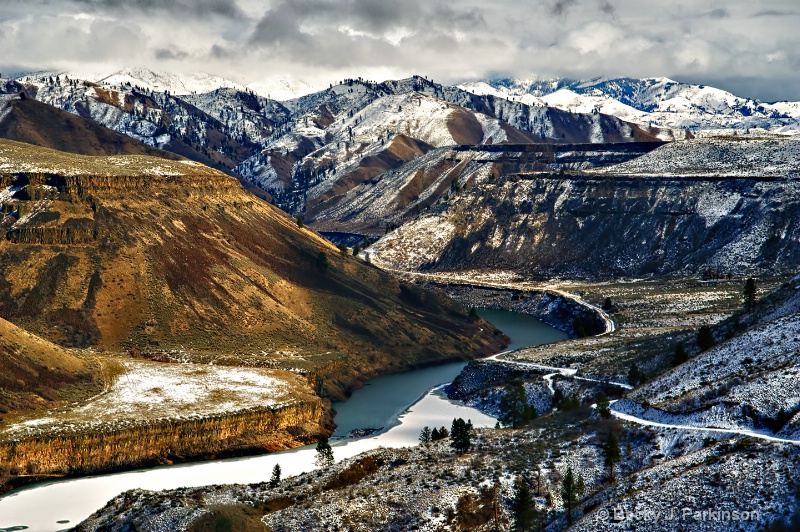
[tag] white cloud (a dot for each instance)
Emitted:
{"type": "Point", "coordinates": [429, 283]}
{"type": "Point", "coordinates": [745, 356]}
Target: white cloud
{"type": "Point", "coordinates": [734, 45]}
{"type": "Point", "coordinates": [597, 37]}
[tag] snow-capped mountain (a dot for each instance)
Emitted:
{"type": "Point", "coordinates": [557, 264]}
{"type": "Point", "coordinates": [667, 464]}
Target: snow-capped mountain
{"type": "Point", "coordinates": [309, 151]}
{"type": "Point", "coordinates": [658, 101]}
{"type": "Point", "coordinates": [278, 88]}
{"type": "Point", "coordinates": [344, 135]}
{"type": "Point", "coordinates": [178, 84]}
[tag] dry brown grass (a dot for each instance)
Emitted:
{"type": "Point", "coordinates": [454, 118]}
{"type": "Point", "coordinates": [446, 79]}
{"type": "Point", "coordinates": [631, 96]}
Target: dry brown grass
{"type": "Point", "coordinates": [192, 267]}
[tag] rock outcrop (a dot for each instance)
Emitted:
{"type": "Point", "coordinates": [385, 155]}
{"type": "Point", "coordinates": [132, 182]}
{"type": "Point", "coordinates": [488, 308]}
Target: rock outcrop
{"type": "Point", "coordinates": [723, 206]}
{"type": "Point", "coordinates": [95, 449]}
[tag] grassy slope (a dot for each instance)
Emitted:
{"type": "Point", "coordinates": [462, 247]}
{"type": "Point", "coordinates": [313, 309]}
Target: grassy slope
{"type": "Point", "coordinates": [37, 123]}
{"type": "Point", "coordinates": [193, 264]}
{"type": "Point", "coordinates": [38, 374]}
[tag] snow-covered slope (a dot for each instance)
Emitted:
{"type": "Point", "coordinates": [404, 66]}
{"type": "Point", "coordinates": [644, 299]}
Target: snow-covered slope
{"type": "Point", "coordinates": [684, 207]}
{"type": "Point", "coordinates": [659, 101]}
{"type": "Point", "coordinates": [284, 88]}
{"type": "Point", "coordinates": [730, 156]}
{"type": "Point", "coordinates": [316, 147]}
{"type": "Point", "coordinates": [750, 381]}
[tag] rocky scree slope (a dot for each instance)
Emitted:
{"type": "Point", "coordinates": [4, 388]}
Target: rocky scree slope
{"type": "Point", "coordinates": [394, 195]}
{"type": "Point", "coordinates": [725, 204]}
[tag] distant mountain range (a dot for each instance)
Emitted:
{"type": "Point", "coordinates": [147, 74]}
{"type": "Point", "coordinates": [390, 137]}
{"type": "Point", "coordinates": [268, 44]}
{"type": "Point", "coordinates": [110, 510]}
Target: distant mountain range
{"type": "Point", "coordinates": [309, 152]}
{"type": "Point", "coordinates": [314, 148]}
{"type": "Point", "coordinates": [658, 101]}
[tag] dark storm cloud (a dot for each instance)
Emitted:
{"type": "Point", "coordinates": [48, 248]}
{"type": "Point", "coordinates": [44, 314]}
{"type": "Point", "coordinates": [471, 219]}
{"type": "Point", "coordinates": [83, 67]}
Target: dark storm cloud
{"type": "Point", "coordinates": [307, 20]}
{"type": "Point", "coordinates": [775, 13]}
{"type": "Point", "coordinates": [718, 13]}
{"type": "Point", "coordinates": [607, 7]}
{"type": "Point", "coordinates": [352, 32]}
{"type": "Point", "coordinates": [561, 6]}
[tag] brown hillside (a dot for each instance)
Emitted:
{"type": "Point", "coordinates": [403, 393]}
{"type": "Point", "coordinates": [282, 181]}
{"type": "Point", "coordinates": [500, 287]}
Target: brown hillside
{"type": "Point", "coordinates": [401, 150]}
{"type": "Point", "coordinates": [36, 373]}
{"type": "Point", "coordinates": [27, 120]}
{"type": "Point", "coordinates": [175, 260]}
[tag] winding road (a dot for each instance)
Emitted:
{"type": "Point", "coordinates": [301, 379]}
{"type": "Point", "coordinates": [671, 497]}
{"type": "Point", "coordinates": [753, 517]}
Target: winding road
{"type": "Point", "coordinates": [571, 373]}
{"type": "Point", "coordinates": [743, 432]}
{"type": "Point", "coordinates": [610, 327]}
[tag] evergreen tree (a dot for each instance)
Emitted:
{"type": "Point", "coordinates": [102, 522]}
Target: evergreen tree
{"type": "Point", "coordinates": [571, 491]}
{"type": "Point", "coordinates": [322, 262]}
{"type": "Point", "coordinates": [461, 436]}
{"type": "Point", "coordinates": [276, 477]}
{"type": "Point", "coordinates": [635, 375]}
{"type": "Point", "coordinates": [558, 398]}
{"type": "Point", "coordinates": [705, 338]}
{"type": "Point", "coordinates": [570, 402]}
{"type": "Point", "coordinates": [523, 507]}
{"type": "Point", "coordinates": [473, 314]}
{"type": "Point", "coordinates": [425, 435]}
{"type": "Point", "coordinates": [514, 409]}
{"type": "Point", "coordinates": [749, 293]}
{"type": "Point", "coordinates": [612, 453]}
{"type": "Point", "coordinates": [603, 406]}
{"type": "Point", "coordinates": [299, 221]}
{"type": "Point", "coordinates": [324, 453]}
{"type": "Point", "coordinates": [608, 304]}
{"type": "Point", "coordinates": [680, 355]}
{"type": "Point", "coordinates": [435, 434]}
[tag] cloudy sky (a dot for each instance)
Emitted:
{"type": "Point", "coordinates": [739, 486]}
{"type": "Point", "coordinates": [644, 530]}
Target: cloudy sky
{"type": "Point", "coordinates": [749, 47]}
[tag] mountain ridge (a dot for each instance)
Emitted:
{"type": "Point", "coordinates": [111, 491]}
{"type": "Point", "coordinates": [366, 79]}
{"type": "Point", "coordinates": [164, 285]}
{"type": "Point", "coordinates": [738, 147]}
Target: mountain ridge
{"type": "Point", "coordinates": [662, 101]}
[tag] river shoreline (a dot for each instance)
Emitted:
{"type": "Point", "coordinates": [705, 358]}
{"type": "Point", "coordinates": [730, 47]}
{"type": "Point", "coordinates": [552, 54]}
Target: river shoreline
{"type": "Point", "coordinates": [552, 310]}
{"type": "Point", "coordinates": [389, 430]}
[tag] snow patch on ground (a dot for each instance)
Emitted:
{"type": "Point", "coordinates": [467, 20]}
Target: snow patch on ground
{"type": "Point", "coordinates": [149, 390]}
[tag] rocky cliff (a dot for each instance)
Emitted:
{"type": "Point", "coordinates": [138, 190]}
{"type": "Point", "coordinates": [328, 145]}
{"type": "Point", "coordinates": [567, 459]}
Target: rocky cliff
{"type": "Point", "coordinates": [90, 449]}
{"type": "Point", "coordinates": [172, 261]}
{"type": "Point", "coordinates": [388, 197]}
{"type": "Point", "coordinates": [720, 206]}
{"type": "Point", "coordinates": [150, 256]}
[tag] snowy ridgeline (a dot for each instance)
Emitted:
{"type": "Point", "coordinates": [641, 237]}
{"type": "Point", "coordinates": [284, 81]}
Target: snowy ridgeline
{"type": "Point", "coordinates": [725, 157]}
{"type": "Point", "coordinates": [659, 101]}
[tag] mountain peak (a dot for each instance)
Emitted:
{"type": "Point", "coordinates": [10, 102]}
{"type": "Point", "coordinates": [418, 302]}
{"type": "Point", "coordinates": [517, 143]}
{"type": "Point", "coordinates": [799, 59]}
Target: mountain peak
{"type": "Point", "coordinates": [179, 84]}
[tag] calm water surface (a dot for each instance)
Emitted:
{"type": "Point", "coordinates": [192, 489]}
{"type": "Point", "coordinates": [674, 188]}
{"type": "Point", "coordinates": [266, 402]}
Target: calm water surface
{"type": "Point", "coordinates": [399, 404]}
